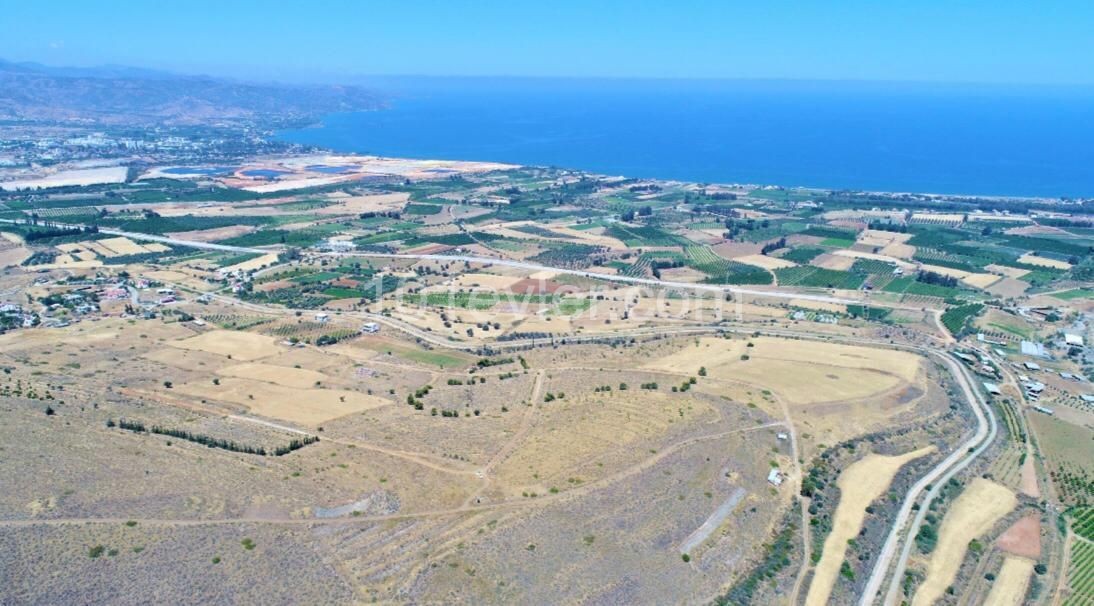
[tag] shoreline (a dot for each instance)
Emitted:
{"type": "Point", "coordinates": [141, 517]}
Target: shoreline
{"type": "Point", "coordinates": [322, 125]}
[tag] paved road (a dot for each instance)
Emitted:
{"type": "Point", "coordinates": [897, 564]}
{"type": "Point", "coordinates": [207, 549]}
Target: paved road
{"type": "Point", "coordinates": [714, 288]}
{"type": "Point", "coordinates": [937, 477]}
{"type": "Point", "coordinates": [434, 339]}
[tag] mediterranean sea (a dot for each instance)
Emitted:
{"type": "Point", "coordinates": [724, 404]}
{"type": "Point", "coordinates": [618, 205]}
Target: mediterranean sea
{"type": "Point", "coordinates": [903, 137]}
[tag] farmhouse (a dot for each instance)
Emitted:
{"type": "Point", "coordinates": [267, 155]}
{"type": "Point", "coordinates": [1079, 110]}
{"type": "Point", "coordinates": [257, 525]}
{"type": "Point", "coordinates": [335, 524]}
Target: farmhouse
{"type": "Point", "coordinates": [1073, 339]}
{"type": "Point", "coordinates": [966, 357]}
{"type": "Point", "coordinates": [1033, 366]}
{"type": "Point", "coordinates": [322, 317]}
{"type": "Point", "coordinates": [1034, 387]}
{"type": "Point", "coordinates": [775, 477]}
{"type": "Point", "coordinates": [992, 388]}
{"type": "Point", "coordinates": [370, 327]}
{"type": "Point", "coordinates": [115, 293]}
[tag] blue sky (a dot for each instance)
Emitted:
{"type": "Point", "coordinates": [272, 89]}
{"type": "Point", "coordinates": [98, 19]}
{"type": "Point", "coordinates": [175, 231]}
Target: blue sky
{"type": "Point", "coordinates": [997, 41]}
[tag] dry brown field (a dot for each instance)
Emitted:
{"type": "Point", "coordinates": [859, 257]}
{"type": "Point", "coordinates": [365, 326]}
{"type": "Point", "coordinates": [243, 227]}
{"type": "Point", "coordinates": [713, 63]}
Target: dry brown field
{"type": "Point", "coordinates": [972, 514]}
{"type": "Point", "coordinates": [765, 261]}
{"type": "Point", "coordinates": [1023, 538]}
{"type": "Point", "coordinates": [232, 344]}
{"type": "Point", "coordinates": [860, 484]}
{"type": "Point", "coordinates": [1033, 259]}
{"type": "Point", "coordinates": [1012, 582]}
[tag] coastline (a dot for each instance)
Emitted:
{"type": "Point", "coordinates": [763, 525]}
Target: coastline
{"type": "Point", "coordinates": [351, 133]}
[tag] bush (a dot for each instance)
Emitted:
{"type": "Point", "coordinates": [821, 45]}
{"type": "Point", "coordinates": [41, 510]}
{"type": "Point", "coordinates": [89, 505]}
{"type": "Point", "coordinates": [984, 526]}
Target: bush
{"type": "Point", "coordinates": [926, 539]}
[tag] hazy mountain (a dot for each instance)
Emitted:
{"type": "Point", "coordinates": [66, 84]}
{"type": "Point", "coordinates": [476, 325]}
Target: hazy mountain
{"type": "Point", "coordinates": [127, 95]}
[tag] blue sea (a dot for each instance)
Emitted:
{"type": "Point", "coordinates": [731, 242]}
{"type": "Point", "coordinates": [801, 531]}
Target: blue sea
{"type": "Point", "coordinates": [958, 139]}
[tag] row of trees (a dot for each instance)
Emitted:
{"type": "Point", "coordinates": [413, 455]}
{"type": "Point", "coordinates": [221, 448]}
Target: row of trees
{"type": "Point", "coordinates": [773, 246]}
{"type": "Point", "coordinates": [56, 232]}
{"type": "Point", "coordinates": [211, 442]}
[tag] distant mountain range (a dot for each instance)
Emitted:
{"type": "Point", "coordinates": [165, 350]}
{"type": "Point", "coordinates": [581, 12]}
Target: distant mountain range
{"type": "Point", "coordinates": [119, 95]}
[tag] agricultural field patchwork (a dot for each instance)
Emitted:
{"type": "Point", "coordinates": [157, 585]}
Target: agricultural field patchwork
{"type": "Point", "coordinates": [474, 383]}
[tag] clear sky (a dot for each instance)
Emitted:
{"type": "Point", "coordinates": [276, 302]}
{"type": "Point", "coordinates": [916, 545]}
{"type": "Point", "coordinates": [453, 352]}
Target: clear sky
{"type": "Point", "coordinates": [999, 41]}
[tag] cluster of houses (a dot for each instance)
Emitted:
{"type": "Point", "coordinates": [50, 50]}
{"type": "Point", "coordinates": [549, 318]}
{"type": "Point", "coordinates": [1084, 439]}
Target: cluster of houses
{"type": "Point", "coordinates": [981, 363]}
{"type": "Point", "coordinates": [59, 310]}
{"type": "Point", "coordinates": [12, 315]}
{"type": "Point", "coordinates": [237, 280]}
{"type": "Point", "coordinates": [323, 317]}
{"type": "Point", "coordinates": [84, 299]}
{"type": "Point", "coordinates": [1032, 388]}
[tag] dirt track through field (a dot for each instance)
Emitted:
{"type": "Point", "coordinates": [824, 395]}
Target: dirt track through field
{"type": "Point", "coordinates": [503, 505]}
{"type": "Point", "coordinates": [713, 522]}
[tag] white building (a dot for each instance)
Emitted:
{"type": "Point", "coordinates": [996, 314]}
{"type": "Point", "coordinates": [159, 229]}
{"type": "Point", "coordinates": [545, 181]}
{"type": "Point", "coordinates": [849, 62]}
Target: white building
{"type": "Point", "coordinates": [775, 477]}
{"type": "Point", "coordinates": [370, 327]}
{"type": "Point", "coordinates": [338, 246]}
{"type": "Point", "coordinates": [1035, 387]}
{"type": "Point", "coordinates": [1072, 339]}
{"type": "Point", "coordinates": [1030, 348]}
{"type": "Point", "coordinates": [322, 317]}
